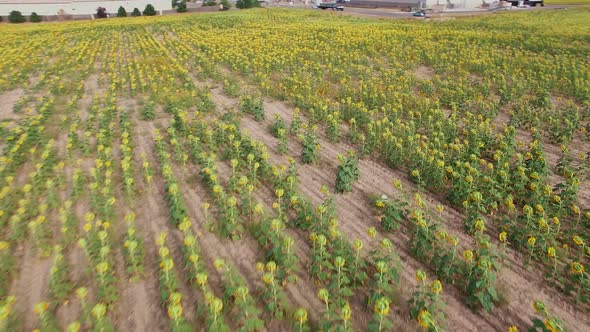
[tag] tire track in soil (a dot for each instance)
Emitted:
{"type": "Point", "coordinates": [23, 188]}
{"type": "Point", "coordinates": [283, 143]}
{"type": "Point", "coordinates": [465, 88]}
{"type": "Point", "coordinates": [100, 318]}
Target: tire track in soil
{"type": "Point", "coordinates": [70, 310]}
{"type": "Point", "coordinates": [30, 285]}
{"type": "Point", "coordinates": [130, 294]}
{"type": "Point", "coordinates": [133, 311]}
{"type": "Point", "coordinates": [518, 310]}
{"type": "Point", "coordinates": [141, 300]}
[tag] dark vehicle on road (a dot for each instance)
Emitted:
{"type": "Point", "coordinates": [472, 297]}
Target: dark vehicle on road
{"type": "Point", "coordinates": [532, 3]}
{"type": "Point", "coordinates": [419, 13]}
{"type": "Point", "coordinates": [331, 5]}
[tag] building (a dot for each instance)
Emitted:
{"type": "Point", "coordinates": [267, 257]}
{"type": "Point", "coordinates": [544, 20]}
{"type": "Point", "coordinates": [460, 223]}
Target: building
{"type": "Point", "coordinates": [77, 8]}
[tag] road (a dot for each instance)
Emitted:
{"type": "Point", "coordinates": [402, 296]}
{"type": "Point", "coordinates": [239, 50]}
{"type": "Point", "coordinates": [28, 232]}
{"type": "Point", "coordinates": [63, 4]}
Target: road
{"type": "Point", "coordinates": [396, 13]}
{"type": "Point", "coordinates": [383, 12]}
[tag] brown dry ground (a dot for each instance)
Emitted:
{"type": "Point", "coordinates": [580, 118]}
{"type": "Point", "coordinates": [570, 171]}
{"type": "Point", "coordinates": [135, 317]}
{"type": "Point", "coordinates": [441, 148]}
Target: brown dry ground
{"type": "Point", "coordinates": [7, 101]}
{"type": "Point", "coordinates": [138, 307]}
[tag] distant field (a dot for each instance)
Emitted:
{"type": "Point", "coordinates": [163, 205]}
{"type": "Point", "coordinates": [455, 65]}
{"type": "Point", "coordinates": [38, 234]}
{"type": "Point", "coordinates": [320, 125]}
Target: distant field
{"type": "Point", "coordinates": [568, 2]}
{"type": "Point", "coordinates": [296, 170]}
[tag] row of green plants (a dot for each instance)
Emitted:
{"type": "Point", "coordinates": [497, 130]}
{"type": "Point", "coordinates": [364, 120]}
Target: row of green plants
{"type": "Point", "coordinates": [203, 143]}
{"type": "Point", "coordinates": [212, 308]}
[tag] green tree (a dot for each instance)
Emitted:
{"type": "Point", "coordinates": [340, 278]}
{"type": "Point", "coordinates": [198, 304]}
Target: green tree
{"type": "Point", "coordinates": [35, 18]}
{"type": "Point", "coordinates": [121, 12]}
{"type": "Point", "coordinates": [135, 12]}
{"type": "Point", "coordinates": [149, 10]}
{"type": "Point", "coordinates": [16, 17]}
{"type": "Point", "coordinates": [181, 7]}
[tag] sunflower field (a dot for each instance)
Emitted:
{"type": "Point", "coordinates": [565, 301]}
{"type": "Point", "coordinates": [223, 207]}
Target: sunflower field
{"type": "Point", "coordinates": [291, 170]}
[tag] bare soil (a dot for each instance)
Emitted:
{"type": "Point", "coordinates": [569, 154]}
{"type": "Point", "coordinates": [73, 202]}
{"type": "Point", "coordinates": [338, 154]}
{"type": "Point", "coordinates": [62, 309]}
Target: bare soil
{"type": "Point", "coordinates": [7, 101]}
{"type": "Point", "coordinates": [424, 73]}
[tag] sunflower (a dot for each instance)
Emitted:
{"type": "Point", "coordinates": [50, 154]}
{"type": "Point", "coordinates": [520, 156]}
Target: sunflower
{"type": "Point", "coordinates": [424, 319]}
{"type": "Point", "coordinates": [346, 312]}
{"type": "Point", "coordinates": [480, 225]}
{"type": "Point", "coordinates": [175, 298]}
{"type": "Point", "coordinates": [41, 307]}
{"type": "Point", "coordinates": [219, 264]}
{"type": "Point", "coordinates": [73, 327]}
{"type": "Point", "coordinates": [551, 252]}
{"type": "Point", "coordinates": [175, 311]}
{"type": "Point", "coordinates": [167, 265]}
{"type": "Point", "coordinates": [553, 325]}
{"type": "Point", "coordinates": [420, 276]}
{"type": "Point", "coordinates": [502, 237]}
{"type": "Point", "coordinates": [540, 308]}
{"type": "Point", "coordinates": [381, 307]}
{"type": "Point", "coordinates": [577, 268]}
{"type": "Point", "coordinates": [575, 209]}
{"type": "Point", "coordinates": [300, 315]}
{"type": "Point", "coordinates": [358, 244]}
{"type": "Point", "coordinates": [436, 287]}
{"type": "Point", "coordinates": [531, 241]}
{"type": "Point", "coordinates": [271, 266]}
{"type": "Point", "coordinates": [468, 255]}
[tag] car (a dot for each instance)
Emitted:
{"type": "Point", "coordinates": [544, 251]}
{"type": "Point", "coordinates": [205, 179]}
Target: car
{"type": "Point", "coordinates": [419, 13]}
{"type": "Point", "coordinates": [330, 5]}
{"type": "Point", "coordinates": [531, 3]}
